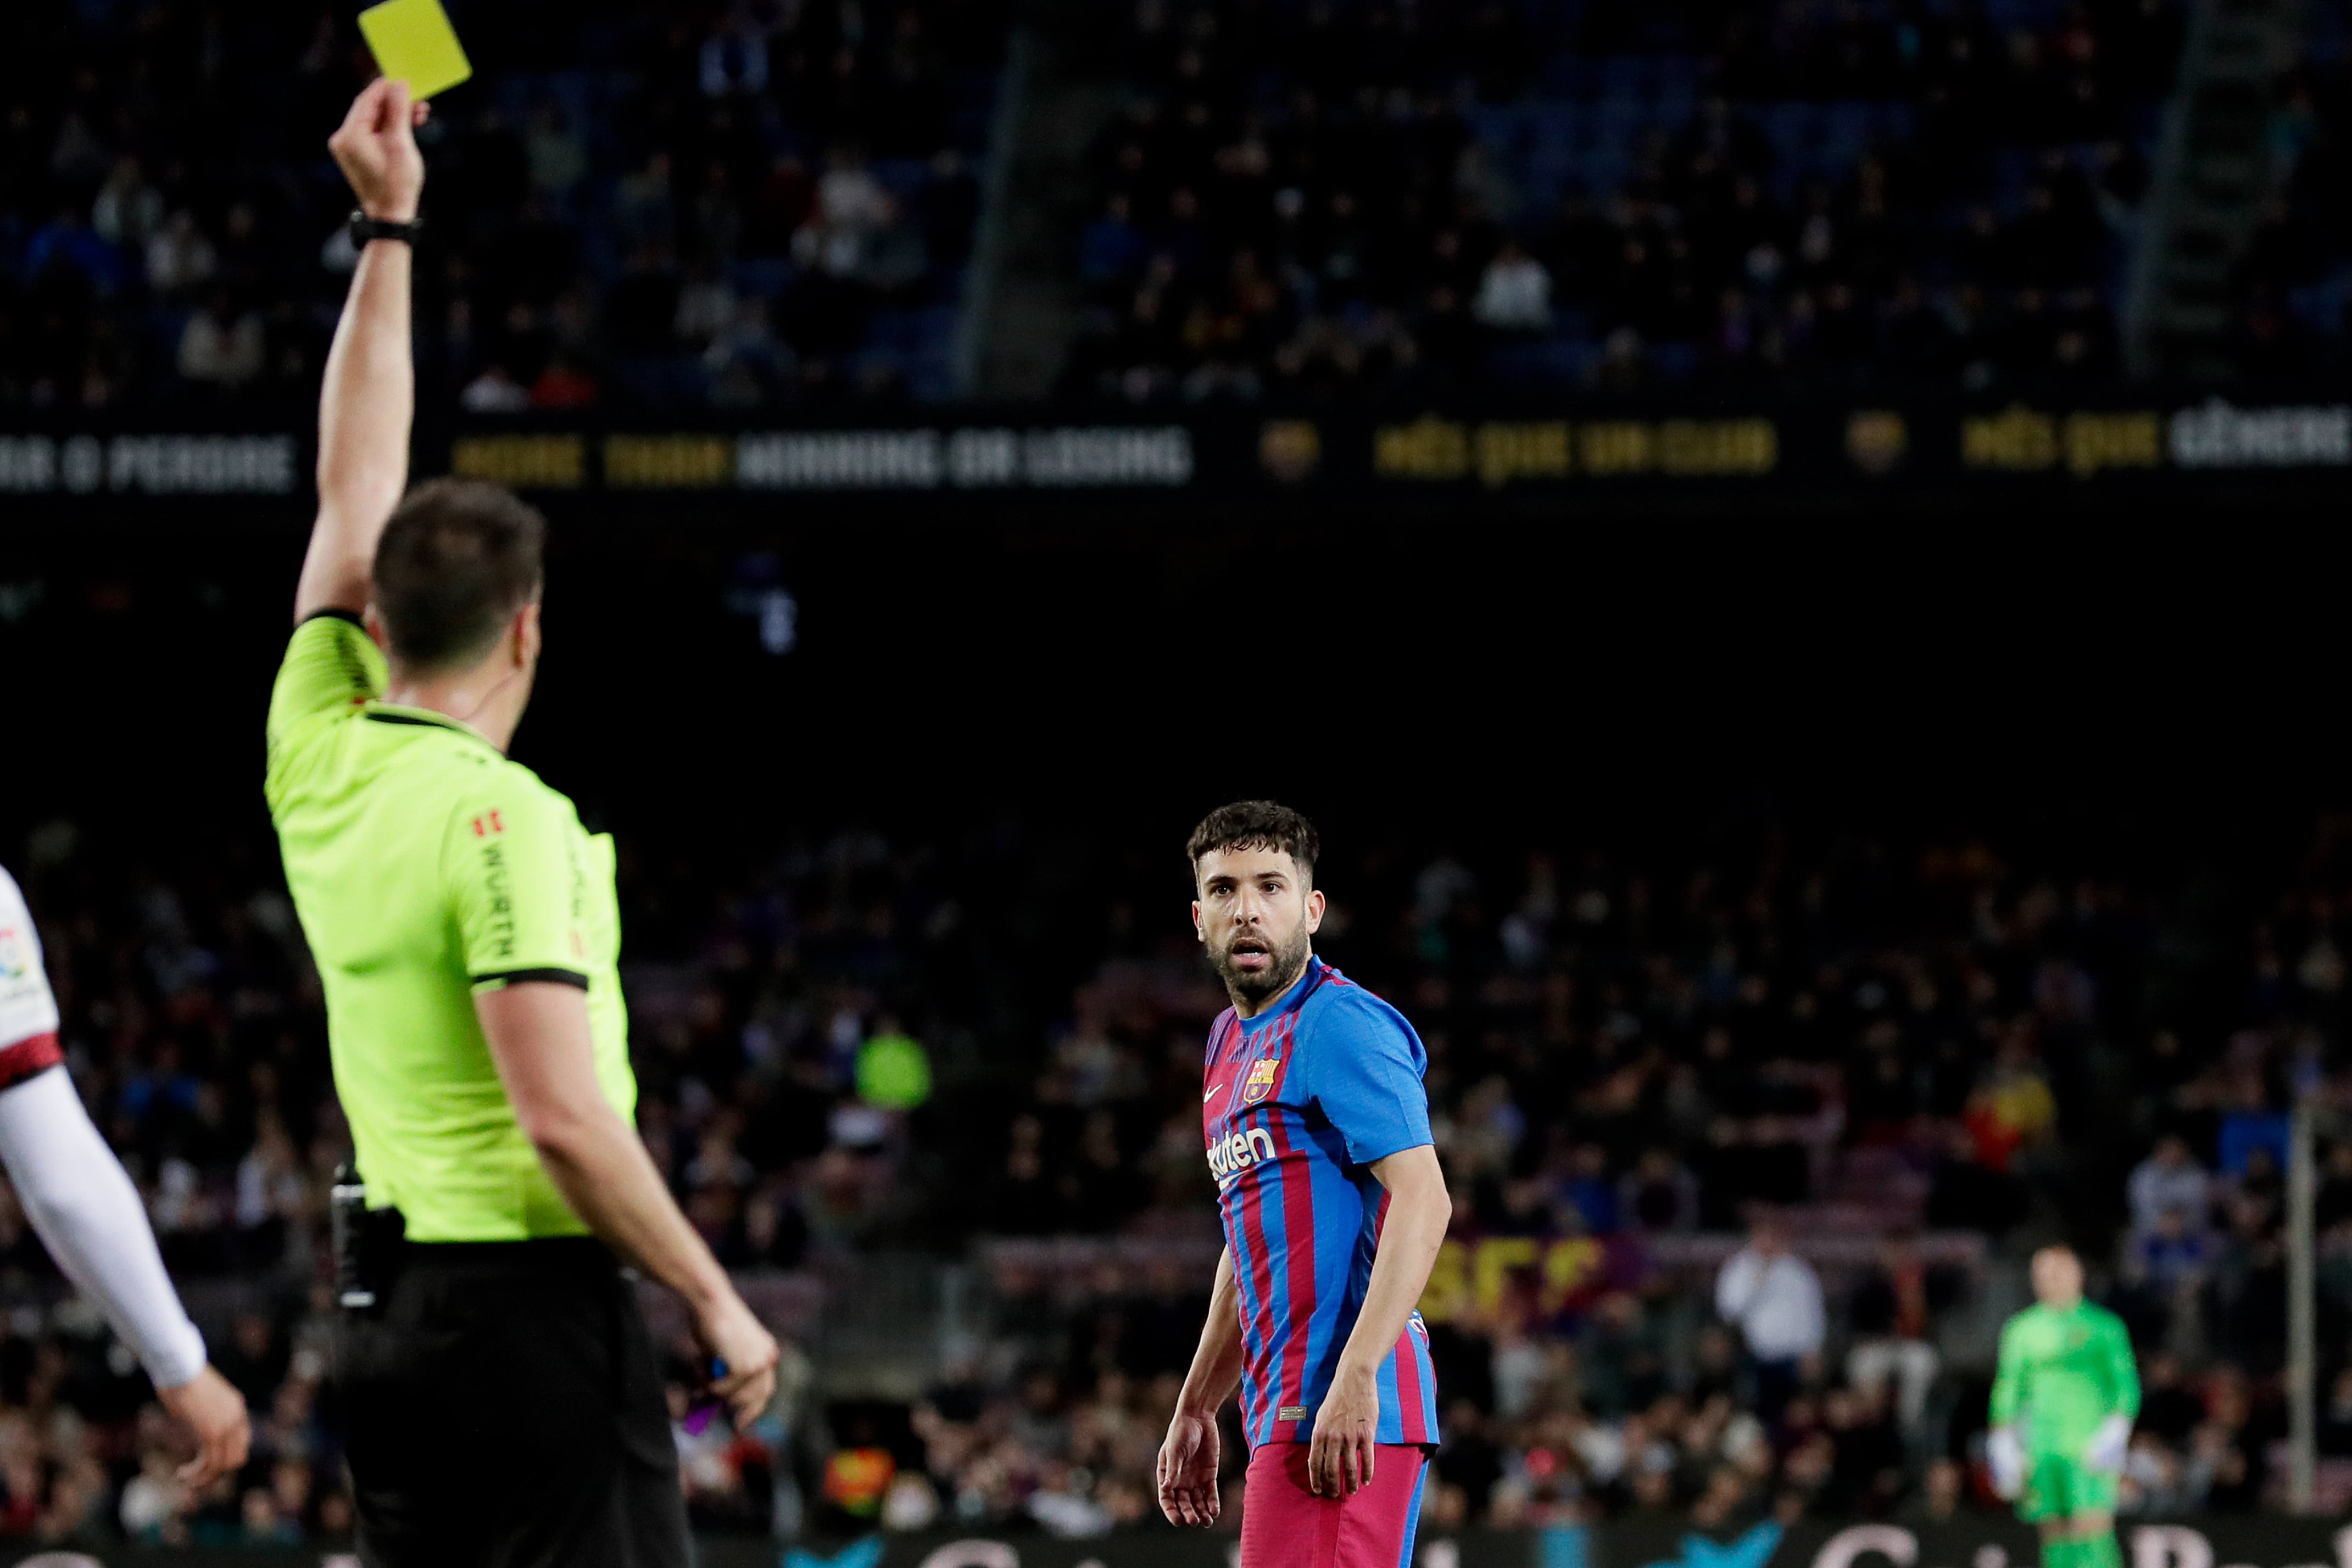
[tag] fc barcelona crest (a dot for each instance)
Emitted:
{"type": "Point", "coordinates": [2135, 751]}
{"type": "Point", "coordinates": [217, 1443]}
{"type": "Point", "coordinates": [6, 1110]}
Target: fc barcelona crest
{"type": "Point", "coordinates": [1261, 1080]}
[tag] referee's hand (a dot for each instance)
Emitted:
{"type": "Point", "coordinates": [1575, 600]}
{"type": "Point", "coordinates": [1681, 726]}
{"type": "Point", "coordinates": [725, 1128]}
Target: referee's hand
{"type": "Point", "coordinates": [215, 1411]}
{"type": "Point", "coordinates": [375, 147]}
{"type": "Point", "coordinates": [748, 1352]}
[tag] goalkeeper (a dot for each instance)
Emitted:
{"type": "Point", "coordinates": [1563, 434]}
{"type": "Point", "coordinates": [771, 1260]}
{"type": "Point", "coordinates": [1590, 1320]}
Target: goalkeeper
{"type": "Point", "coordinates": [2063, 1405]}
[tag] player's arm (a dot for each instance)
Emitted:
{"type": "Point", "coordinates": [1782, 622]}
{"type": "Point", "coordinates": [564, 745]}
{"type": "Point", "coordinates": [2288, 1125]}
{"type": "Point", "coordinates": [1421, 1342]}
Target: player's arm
{"type": "Point", "coordinates": [87, 1213]}
{"type": "Point", "coordinates": [2123, 1369]}
{"type": "Point", "coordinates": [368, 398]}
{"type": "Point", "coordinates": [1188, 1458]}
{"type": "Point", "coordinates": [511, 874]}
{"type": "Point", "coordinates": [1364, 1074]}
{"type": "Point", "coordinates": [2008, 1380]}
{"type": "Point", "coordinates": [1340, 1457]}
{"type": "Point", "coordinates": [2004, 1450]}
{"type": "Point", "coordinates": [2111, 1441]}
{"type": "Point", "coordinates": [539, 1037]}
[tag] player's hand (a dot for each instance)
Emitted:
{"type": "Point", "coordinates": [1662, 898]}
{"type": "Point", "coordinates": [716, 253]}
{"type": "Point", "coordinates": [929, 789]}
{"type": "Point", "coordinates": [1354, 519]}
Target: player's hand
{"type": "Point", "coordinates": [376, 149]}
{"type": "Point", "coordinates": [748, 1353]}
{"type": "Point", "coordinates": [215, 1411]}
{"type": "Point", "coordinates": [2108, 1444]}
{"type": "Point", "coordinates": [1188, 1469]}
{"type": "Point", "coordinates": [2005, 1456]}
{"type": "Point", "coordinates": [1340, 1458]}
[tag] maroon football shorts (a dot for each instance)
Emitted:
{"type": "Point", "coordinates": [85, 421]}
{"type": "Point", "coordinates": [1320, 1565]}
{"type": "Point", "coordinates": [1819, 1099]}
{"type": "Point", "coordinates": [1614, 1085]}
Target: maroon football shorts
{"type": "Point", "coordinates": [1285, 1525]}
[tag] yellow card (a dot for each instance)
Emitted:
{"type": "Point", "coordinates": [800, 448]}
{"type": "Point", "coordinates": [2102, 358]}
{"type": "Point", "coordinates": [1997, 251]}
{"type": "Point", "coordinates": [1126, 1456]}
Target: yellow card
{"type": "Point", "coordinates": [414, 43]}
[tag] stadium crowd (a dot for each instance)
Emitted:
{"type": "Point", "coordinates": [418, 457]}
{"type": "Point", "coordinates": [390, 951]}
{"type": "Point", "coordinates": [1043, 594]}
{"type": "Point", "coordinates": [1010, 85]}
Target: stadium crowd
{"type": "Point", "coordinates": [1386, 199]}
{"type": "Point", "coordinates": [2298, 321]}
{"type": "Point", "coordinates": [772, 204]}
{"type": "Point", "coordinates": [1913, 1046]}
{"type": "Point", "coordinates": [740, 206]}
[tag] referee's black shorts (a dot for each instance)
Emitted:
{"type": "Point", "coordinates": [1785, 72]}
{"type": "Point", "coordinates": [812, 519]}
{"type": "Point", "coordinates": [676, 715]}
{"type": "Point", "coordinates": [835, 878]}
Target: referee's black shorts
{"type": "Point", "coordinates": [502, 1404]}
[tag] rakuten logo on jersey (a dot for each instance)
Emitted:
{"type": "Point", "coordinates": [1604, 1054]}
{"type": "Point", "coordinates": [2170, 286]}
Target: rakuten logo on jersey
{"type": "Point", "coordinates": [1237, 1151]}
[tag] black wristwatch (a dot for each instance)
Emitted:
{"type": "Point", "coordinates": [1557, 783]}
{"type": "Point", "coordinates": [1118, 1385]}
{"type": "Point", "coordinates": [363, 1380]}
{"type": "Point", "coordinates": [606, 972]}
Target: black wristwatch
{"type": "Point", "coordinates": [366, 228]}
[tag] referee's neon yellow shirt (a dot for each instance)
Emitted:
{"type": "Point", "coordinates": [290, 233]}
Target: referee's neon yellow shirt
{"type": "Point", "coordinates": [427, 867]}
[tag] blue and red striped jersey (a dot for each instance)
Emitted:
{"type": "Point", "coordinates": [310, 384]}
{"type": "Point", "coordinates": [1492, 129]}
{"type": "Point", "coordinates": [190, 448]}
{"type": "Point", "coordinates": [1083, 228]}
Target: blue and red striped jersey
{"type": "Point", "coordinates": [1296, 1103]}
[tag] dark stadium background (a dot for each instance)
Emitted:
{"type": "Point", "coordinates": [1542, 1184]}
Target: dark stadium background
{"type": "Point", "coordinates": [2073, 667]}
{"type": "Point", "coordinates": [1996, 640]}
{"type": "Point", "coordinates": [2078, 686]}
{"type": "Point", "coordinates": [1047, 703]}
{"type": "Point", "coordinates": [1062, 696]}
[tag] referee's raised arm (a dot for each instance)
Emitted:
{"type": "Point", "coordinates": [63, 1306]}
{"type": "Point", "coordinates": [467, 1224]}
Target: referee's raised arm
{"type": "Point", "coordinates": [368, 400]}
{"type": "Point", "coordinates": [468, 934]}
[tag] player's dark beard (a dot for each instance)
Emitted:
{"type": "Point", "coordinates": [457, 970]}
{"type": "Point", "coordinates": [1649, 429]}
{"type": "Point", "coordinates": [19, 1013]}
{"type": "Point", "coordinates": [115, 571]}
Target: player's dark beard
{"type": "Point", "coordinates": [1289, 959]}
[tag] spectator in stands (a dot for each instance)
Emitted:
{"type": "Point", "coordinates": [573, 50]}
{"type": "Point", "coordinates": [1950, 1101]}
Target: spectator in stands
{"type": "Point", "coordinates": [129, 211]}
{"type": "Point", "coordinates": [1677, 250]}
{"type": "Point", "coordinates": [1515, 295]}
{"type": "Point", "coordinates": [843, 235]}
{"type": "Point", "coordinates": [2013, 1114]}
{"type": "Point", "coordinates": [2229, 1454]}
{"type": "Point", "coordinates": [494, 391]}
{"type": "Point", "coordinates": [1888, 1319]}
{"type": "Point", "coordinates": [2154, 1480]}
{"type": "Point", "coordinates": [66, 249]}
{"type": "Point", "coordinates": [2170, 1181]}
{"type": "Point", "coordinates": [141, 199]}
{"type": "Point", "coordinates": [706, 305]}
{"type": "Point", "coordinates": [1587, 1060]}
{"type": "Point", "coordinates": [746, 365]}
{"type": "Point", "coordinates": [558, 158]}
{"type": "Point", "coordinates": [1112, 247]}
{"type": "Point", "coordinates": [179, 258]}
{"type": "Point", "coordinates": [222, 347]}
{"type": "Point", "coordinates": [562, 384]}
{"type": "Point", "coordinates": [733, 60]}
{"type": "Point", "coordinates": [644, 208]}
{"type": "Point", "coordinates": [1659, 1193]}
{"type": "Point", "coordinates": [1774, 1298]}
{"type": "Point", "coordinates": [2172, 1260]}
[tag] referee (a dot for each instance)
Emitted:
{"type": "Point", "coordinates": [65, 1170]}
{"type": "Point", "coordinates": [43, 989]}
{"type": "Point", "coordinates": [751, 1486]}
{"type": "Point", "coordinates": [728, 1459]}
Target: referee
{"type": "Point", "coordinates": [503, 1401]}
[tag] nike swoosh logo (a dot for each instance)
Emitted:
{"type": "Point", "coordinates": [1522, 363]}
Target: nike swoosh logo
{"type": "Point", "coordinates": [1209, 1092]}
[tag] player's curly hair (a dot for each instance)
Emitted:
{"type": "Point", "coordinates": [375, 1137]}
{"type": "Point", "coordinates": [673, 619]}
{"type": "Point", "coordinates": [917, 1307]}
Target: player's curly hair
{"type": "Point", "coordinates": [458, 558]}
{"type": "Point", "coordinates": [1257, 825]}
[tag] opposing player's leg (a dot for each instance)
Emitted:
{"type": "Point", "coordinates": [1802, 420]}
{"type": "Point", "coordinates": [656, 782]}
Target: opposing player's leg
{"type": "Point", "coordinates": [1285, 1525]}
{"type": "Point", "coordinates": [2044, 1502]}
{"type": "Point", "coordinates": [2074, 1507]}
{"type": "Point", "coordinates": [2095, 1544]}
{"type": "Point", "coordinates": [2091, 1516]}
{"type": "Point", "coordinates": [2088, 1528]}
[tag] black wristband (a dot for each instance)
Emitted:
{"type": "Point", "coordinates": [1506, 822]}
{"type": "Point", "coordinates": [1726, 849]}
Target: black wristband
{"type": "Point", "coordinates": [366, 228]}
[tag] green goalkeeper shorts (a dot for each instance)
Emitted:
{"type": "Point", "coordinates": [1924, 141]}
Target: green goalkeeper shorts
{"type": "Point", "coordinates": [2058, 1488]}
